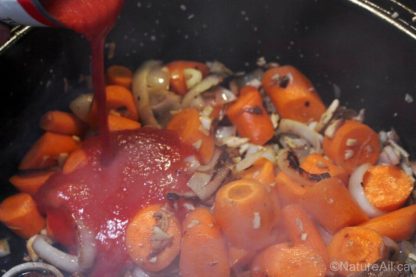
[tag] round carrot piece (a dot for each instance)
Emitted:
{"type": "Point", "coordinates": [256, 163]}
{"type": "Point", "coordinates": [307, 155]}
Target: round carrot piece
{"type": "Point", "coordinates": [246, 212]}
{"type": "Point", "coordinates": [284, 260]}
{"type": "Point", "coordinates": [292, 94]}
{"type": "Point", "coordinates": [387, 187]}
{"type": "Point", "coordinates": [119, 75]}
{"type": "Point", "coordinates": [20, 213]}
{"type": "Point", "coordinates": [62, 123]}
{"type": "Point", "coordinates": [203, 249]}
{"type": "Point", "coordinates": [352, 249]}
{"type": "Point", "coordinates": [262, 171]}
{"type": "Point", "coordinates": [120, 123]}
{"type": "Point", "coordinates": [153, 238]}
{"type": "Point", "coordinates": [353, 144]}
{"type": "Point", "coordinates": [250, 117]}
{"type": "Point", "coordinates": [75, 160]}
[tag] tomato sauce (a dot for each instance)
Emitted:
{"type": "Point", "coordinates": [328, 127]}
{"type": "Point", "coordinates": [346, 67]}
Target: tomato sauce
{"type": "Point", "coordinates": [125, 171]}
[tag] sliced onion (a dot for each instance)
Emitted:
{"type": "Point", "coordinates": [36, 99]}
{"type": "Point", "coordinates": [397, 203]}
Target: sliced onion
{"type": "Point", "coordinates": [297, 128]}
{"type": "Point", "coordinates": [158, 78]}
{"type": "Point", "coordinates": [193, 77]}
{"type": "Point", "coordinates": [198, 182]}
{"type": "Point", "coordinates": [81, 106]}
{"type": "Point", "coordinates": [225, 132]}
{"type": "Point", "coordinates": [65, 261]}
{"type": "Point", "coordinates": [141, 92]}
{"type": "Point", "coordinates": [212, 163]}
{"type": "Point", "coordinates": [224, 96]}
{"type": "Point", "coordinates": [28, 267]}
{"type": "Point", "coordinates": [327, 115]}
{"type": "Point", "coordinates": [192, 163]}
{"type": "Point", "coordinates": [357, 191]}
{"type": "Point", "coordinates": [138, 272]}
{"type": "Point", "coordinates": [283, 164]}
{"type": "Point", "coordinates": [251, 158]}
{"type": "Point", "coordinates": [207, 83]}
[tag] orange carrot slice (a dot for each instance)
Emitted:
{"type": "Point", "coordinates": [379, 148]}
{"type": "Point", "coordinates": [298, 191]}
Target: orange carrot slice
{"type": "Point", "coordinates": [353, 144]}
{"type": "Point", "coordinates": [31, 182]}
{"type": "Point", "coordinates": [203, 250]}
{"type": "Point", "coordinates": [387, 187]}
{"type": "Point", "coordinates": [62, 123]}
{"type": "Point", "coordinates": [187, 125]}
{"type": "Point", "coordinates": [302, 229]}
{"type": "Point", "coordinates": [292, 94]}
{"type": "Point", "coordinates": [397, 225]}
{"type": "Point", "coordinates": [45, 152]}
{"type": "Point", "coordinates": [250, 117]}
{"type": "Point", "coordinates": [119, 123]}
{"type": "Point", "coordinates": [153, 238]}
{"type": "Point", "coordinates": [20, 214]}
{"type": "Point", "coordinates": [353, 248]}
{"type": "Point", "coordinates": [119, 75]}
{"type": "Point", "coordinates": [75, 160]}
{"type": "Point", "coordinates": [332, 206]}
{"type": "Point", "coordinates": [262, 171]}
{"type": "Point", "coordinates": [284, 260]}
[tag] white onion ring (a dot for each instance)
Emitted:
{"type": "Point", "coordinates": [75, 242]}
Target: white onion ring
{"type": "Point", "coordinates": [297, 128]}
{"type": "Point", "coordinates": [207, 83]}
{"type": "Point", "coordinates": [357, 191]}
{"type": "Point", "coordinates": [21, 268]}
{"type": "Point", "coordinates": [225, 132]}
{"type": "Point", "coordinates": [65, 261]}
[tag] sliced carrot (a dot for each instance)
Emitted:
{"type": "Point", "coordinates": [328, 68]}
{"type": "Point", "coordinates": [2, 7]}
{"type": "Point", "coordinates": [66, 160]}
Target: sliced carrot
{"type": "Point", "coordinates": [46, 150]}
{"type": "Point", "coordinates": [31, 182]}
{"type": "Point", "coordinates": [20, 214]}
{"type": "Point", "coordinates": [397, 225]}
{"type": "Point", "coordinates": [353, 144]}
{"type": "Point", "coordinates": [203, 249]}
{"type": "Point", "coordinates": [246, 212]}
{"type": "Point", "coordinates": [292, 94]}
{"type": "Point", "coordinates": [177, 74]}
{"type": "Point", "coordinates": [291, 192]}
{"type": "Point", "coordinates": [75, 160]}
{"type": "Point", "coordinates": [187, 125]}
{"type": "Point", "coordinates": [239, 257]}
{"type": "Point", "coordinates": [302, 229]}
{"type": "Point", "coordinates": [250, 117]}
{"type": "Point", "coordinates": [285, 260]}
{"type": "Point", "coordinates": [62, 123]}
{"type": "Point", "coordinates": [153, 238]}
{"type": "Point", "coordinates": [119, 75]}
{"type": "Point", "coordinates": [352, 249]}
{"type": "Point", "coordinates": [332, 206]}
{"type": "Point", "coordinates": [119, 123]}
{"type": "Point", "coordinates": [387, 187]}
{"type": "Point", "coordinates": [262, 171]}
{"type": "Point", "coordinates": [120, 100]}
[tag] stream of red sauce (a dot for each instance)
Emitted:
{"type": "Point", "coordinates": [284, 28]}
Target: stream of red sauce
{"type": "Point", "coordinates": [125, 171]}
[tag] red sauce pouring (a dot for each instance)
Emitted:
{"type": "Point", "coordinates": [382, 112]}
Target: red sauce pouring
{"type": "Point", "coordinates": [125, 170]}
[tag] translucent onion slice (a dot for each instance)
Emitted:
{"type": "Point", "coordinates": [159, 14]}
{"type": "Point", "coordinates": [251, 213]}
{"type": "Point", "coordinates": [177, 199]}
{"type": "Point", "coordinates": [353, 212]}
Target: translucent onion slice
{"type": "Point", "coordinates": [356, 189]}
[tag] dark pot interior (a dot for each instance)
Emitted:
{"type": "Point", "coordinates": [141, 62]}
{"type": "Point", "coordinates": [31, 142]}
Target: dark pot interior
{"type": "Point", "coordinates": [340, 47]}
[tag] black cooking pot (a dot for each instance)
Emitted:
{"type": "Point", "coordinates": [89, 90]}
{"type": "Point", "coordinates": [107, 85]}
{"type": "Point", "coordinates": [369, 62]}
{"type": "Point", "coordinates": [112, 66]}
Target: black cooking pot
{"type": "Point", "coordinates": [346, 52]}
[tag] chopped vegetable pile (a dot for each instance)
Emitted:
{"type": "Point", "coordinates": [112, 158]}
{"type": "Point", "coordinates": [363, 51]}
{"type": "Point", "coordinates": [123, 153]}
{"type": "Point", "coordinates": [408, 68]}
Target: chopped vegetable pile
{"type": "Point", "coordinates": [214, 173]}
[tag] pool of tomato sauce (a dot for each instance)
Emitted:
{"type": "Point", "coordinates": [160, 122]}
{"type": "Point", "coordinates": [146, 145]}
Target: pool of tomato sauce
{"type": "Point", "coordinates": [125, 171]}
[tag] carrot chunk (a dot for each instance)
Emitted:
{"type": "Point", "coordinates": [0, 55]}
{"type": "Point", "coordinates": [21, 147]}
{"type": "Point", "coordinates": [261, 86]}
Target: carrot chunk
{"type": "Point", "coordinates": [397, 225]}
{"type": "Point", "coordinates": [387, 187]}
{"type": "Point", "coordinates": [187, 125]}
{"type": "Point", "coordinates": [332, 206]}
{"type": "Point", "coordinates": [45, 152]}
{"type": "Point", "coordinates": [31, 182]}
{"type": "Point", "coordinates": [119, 123]}
{"type": "Point", "coordinates": [302, 229]}
{"type": "Point", "coordinates": [284, 260]}
{"type": "Point", "coordinates": [20, 214]}
{"type": "Point", "coordinates": [292, 94]}
{"type": "Point", "coordinates": [353, 144]}
{"type": "Point", "coordinates": [203, 249]}
{"type": "Point", "coordinates": [246, 212]}
{"type": "Point", "coordinates": [75, 160]}
{"type": "Point", "coordinates": [153, 238]}
{"type": "Point", "coordinates": [120, 75]}
{"type": "Point", "coordinates": [250, 117]}
{"type": "Point", "coordinates": [352, 249]}
{"type": "Point", "coordinates": [62, 123]}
